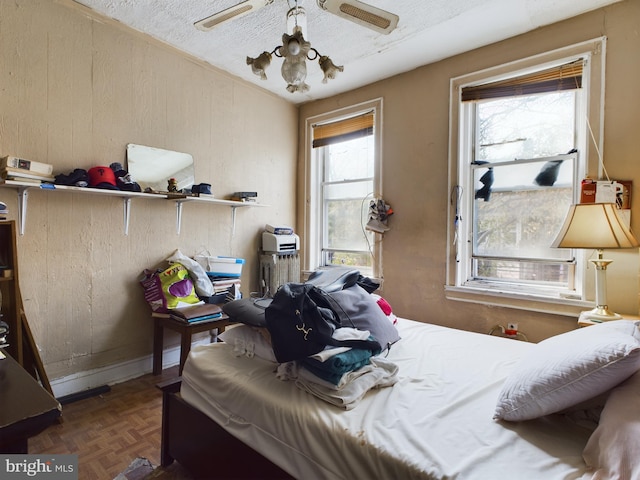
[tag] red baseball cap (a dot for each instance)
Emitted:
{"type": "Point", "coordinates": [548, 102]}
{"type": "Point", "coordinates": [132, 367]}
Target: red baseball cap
{"type": "Point", "coordinates": [102, 177]}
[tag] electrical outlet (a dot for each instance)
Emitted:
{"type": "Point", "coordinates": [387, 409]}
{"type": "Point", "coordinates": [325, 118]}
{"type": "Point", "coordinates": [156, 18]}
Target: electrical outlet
{"type": "Point", "coordinates": [511, 330]}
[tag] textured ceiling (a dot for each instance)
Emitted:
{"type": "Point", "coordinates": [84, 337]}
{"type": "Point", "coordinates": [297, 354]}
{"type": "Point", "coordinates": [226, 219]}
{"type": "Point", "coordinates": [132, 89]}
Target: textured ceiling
{"type": "Point", "coordinates": [428, 31]}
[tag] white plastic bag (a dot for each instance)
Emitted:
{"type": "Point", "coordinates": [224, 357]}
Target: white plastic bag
{"type": "Point", "coordinates": [203, 258]}
{"type": "Point", "coordinates": [201, 282]}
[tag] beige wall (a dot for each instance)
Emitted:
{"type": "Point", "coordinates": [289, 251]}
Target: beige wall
{"type": "Point", "coordinates": [73, 92]}
{"type": "Point", "coordinates": [415, 140]}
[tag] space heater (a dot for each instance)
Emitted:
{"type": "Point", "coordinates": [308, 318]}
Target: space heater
{"type": "Point", "coordinates": [276, 270]}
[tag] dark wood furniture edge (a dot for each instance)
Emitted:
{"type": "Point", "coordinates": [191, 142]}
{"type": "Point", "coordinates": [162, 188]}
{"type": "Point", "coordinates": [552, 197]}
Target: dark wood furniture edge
{"type": "Point", "coordinates": [27, 407]}
{"type": "Point", "coordinates": [202, 446]}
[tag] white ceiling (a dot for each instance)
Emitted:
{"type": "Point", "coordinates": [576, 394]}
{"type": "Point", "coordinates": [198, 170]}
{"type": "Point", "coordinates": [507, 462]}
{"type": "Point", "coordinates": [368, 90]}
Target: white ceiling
{"type": "Point", "coordinates": [428, 31]}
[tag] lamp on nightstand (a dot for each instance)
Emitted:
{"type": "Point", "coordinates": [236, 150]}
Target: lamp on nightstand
{"type": "Point", "coordinates": [596, 226]}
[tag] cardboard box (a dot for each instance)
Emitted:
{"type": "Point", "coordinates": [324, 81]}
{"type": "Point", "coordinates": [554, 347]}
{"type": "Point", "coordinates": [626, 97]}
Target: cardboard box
{"type": "Point", "coordinates": [588, 191]}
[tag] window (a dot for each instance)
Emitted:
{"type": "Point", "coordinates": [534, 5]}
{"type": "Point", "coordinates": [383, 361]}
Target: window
{"type": "Point", "coordinates": [520, 148]}
{"type": "Point", "coordinates": [343, 178]}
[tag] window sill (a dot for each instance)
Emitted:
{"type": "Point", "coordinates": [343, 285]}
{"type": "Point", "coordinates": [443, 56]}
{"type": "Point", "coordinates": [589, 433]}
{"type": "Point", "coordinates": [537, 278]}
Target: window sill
{"type": "Point", "coordinates": [521, 301]}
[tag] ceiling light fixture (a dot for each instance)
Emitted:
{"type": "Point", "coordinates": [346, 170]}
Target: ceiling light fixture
{"type": "Point", "coordinates": [295, 51]}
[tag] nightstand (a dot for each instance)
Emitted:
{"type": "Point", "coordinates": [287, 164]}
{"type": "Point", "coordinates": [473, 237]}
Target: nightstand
{"type": "Point", "coordinates": [186, 330]}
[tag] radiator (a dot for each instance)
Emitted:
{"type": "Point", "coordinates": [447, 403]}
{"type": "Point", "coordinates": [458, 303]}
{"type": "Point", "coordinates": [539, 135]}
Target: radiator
{"type": "Point", "coordinates": [276, 270]}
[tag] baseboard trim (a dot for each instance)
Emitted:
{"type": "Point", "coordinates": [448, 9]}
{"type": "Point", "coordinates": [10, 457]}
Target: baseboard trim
{"type": "Point", "coordinates": [113, 374]}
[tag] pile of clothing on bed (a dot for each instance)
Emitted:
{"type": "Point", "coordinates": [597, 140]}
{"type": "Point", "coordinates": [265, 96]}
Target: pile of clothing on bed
{"type": "Point", "coordinates": [328, 335]}
{"type": "Point", "coordinates": [340, 376]}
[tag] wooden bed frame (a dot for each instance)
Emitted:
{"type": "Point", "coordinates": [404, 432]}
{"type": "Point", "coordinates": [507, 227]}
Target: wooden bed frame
{"type": "Point", "coordinates": [202, 446]}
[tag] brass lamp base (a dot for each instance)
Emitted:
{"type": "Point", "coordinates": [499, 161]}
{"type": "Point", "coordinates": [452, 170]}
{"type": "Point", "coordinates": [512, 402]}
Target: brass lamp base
{"type": "Point", "coordinates": [601, 313]}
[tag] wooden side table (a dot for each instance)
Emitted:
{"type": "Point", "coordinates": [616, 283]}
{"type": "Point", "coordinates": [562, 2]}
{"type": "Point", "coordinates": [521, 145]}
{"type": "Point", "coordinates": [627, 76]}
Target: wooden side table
{"type": "Point", "coordinates": [26, 408]}
{"type": "Point", "coordinates": [186, 331]}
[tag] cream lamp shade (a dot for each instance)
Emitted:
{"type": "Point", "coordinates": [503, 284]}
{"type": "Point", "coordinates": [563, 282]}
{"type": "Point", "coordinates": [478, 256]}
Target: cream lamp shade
{"type": "Point", "coordinates": [596, 226]}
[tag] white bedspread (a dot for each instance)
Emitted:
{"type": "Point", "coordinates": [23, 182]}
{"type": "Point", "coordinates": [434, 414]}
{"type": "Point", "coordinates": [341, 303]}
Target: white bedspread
{"type": "Point", "coordinates": [435, 422]}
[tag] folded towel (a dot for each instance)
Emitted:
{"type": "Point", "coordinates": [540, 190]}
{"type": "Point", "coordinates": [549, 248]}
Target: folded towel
{"type": "Point", "coordinates": [334, 376]}
{"type": "Point", "coordinates": [379, 373]}
{"type": "Point", "coordinates": [334, 367]}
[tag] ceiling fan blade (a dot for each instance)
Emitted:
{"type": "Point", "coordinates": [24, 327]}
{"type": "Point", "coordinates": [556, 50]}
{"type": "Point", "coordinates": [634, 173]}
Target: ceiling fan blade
{"type": "Point", "coordinates": [239, 10]}
{"type": "Point", "coordinates": [362, 14]}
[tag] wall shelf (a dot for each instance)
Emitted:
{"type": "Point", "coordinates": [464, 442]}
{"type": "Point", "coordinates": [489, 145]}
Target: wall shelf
{"type": "Point", "coordinates": [23, 188]}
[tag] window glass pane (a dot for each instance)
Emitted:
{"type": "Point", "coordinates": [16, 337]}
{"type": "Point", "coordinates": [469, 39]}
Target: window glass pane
{"type": "Point", "coordinates": [350, 160]}
{"type": "Point", "coordinates": [526, 126]}
{"type": "Point", "coordinates": [523, 176]}
{"type": "Point", "coordinates": [523, 272]}
{"type": "Point", "coordinates": [347, 209]}
{"type": "Point", "coordinates": [362, 261]}
{"type": "Point", "coordinates": [521, 223]}
{"type": "Point", "coordinates": [349, 190]}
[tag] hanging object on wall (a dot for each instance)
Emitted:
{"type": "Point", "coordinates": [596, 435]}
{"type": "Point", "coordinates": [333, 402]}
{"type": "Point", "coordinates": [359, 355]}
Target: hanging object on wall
{"type": "Point", "coordinates": [379, 213]}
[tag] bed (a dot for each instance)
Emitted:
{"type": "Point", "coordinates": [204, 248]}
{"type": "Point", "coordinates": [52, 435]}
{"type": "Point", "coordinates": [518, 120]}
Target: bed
{"type": "Point", "coordinates": [230, 416]}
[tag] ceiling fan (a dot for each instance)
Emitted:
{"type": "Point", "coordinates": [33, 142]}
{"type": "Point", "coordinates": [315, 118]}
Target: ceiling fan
{"type": "Point", "coordinates": [358, 12]}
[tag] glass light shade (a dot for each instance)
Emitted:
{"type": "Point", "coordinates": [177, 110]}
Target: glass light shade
{"type": "Point", "coordinates": [596, 226]}
{"type": "Point", "coordinates": [294, 47]}
{"type": "Point", "coordinates": [294, 72]}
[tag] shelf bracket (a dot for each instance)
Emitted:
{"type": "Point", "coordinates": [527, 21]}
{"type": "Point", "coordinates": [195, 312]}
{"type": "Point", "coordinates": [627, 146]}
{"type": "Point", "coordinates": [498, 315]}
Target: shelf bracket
{"type": "Point", "coordinates": [126, 203]}
{"type": "Point", "coordinates": [23, 196]}
{"type": "Point", "coordinates": [233, 221]}
{"type": "Point", "coordinates": [178, 216]}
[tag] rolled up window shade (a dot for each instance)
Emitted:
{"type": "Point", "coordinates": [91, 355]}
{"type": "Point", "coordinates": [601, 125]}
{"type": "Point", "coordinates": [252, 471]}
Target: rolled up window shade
{"type": "Point", "coordinates": [562, 77]}
{"type": "Point", "coordinates": [343, 130]}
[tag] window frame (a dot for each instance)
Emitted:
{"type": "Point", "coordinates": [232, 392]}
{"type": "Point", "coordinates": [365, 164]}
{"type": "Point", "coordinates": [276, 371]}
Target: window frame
{"type": "Point", "coordinates": [589, 142]}
{"type": "Point", "coordinates": [312, 257]}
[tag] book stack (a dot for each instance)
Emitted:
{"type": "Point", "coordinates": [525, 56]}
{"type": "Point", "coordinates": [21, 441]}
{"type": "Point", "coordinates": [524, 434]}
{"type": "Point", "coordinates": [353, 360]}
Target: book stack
{"type": "Point", "coordinates": [225, 289]}
{"type": "Point", "coordinates": [196, 313]}
{"type": "Point", "coordinates": [244, 196]}
{"type": "Point", "coordinates": [28, 171]}
{"type": "Point", "coordinates": [4, 211]}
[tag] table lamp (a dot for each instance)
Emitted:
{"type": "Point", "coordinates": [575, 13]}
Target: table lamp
{"type": "Point", "coordinates": [596, 226]}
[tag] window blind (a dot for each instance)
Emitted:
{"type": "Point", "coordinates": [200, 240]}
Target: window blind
{"type": "Point", "coordinates": [343, 130]}
{"type": "Point", "coordinates": [562, 77]}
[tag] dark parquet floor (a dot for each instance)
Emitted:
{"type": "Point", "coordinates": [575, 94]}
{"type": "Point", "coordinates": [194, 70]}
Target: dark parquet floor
{"type": "Point", "coordinates": [109, 431]}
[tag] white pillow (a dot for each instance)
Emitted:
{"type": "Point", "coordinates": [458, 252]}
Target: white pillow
{"type": "Point", "coordinates": [614, 447]}
{"type": "Point", "coordinates": [248, 341]}
{"type": "Point", "coordinates": [570, 368]}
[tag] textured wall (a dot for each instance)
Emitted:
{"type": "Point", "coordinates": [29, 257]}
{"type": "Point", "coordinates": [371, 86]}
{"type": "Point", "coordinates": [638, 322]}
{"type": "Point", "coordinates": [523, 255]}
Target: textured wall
{"type": "Point", "coordinates": [415, 153]}
{"type": "Point", "coordinates": [74, 90]}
